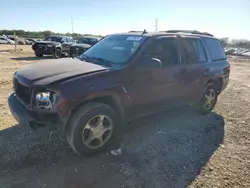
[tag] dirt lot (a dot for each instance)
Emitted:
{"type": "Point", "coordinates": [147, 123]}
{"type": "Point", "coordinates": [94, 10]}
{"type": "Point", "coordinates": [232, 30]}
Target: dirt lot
{"type": "Point", "coordinates": [177, 148]}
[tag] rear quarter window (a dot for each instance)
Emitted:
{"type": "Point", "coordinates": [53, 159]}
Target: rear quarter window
{"type": "Point", "coordinates": [215, 49]}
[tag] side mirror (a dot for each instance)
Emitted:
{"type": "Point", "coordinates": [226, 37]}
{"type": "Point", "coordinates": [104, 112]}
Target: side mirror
{"type": "Point", "coordinates": [153, 63]}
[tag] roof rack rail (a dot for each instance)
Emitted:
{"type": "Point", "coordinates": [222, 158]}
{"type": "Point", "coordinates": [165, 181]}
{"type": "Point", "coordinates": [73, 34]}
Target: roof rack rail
{"type": "Point", "coordinates": [134, 31]}
{"type": "Point", "coordinates": [188, 31]}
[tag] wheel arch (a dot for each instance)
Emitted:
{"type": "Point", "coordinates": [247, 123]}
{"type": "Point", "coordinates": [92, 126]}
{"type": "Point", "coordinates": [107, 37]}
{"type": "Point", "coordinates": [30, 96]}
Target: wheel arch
{"type": "Point", "coordinates": [57, 47]}
{"type": "Point", "coordinates": [113, 101]}
{"type": "Point", "coordinates": [215, 81]}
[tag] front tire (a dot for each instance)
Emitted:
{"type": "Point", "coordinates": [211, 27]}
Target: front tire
{"type": "Point", "coordinates": [92, 128]}
{"type": "Point", "coordinates": [208, 101]}
{"type": "Point", "coordinates": [57, 53]}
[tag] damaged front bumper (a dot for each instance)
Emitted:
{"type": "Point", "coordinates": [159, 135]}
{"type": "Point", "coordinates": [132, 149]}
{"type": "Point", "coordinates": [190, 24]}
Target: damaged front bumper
{"type": "Point", "coordinates": [32, 119]}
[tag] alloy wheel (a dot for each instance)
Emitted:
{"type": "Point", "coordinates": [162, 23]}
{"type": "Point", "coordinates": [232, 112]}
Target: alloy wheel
{"type": "Point", "coordinates": [97, 131]}
{"type": "Point", "coordinates": [209, 98]}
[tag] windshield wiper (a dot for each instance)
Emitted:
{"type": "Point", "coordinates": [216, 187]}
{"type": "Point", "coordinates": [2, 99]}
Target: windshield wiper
{"type": "Point", "coordinates": [106, 62]}
{"type": "Point", "coordinates": [84, 57]}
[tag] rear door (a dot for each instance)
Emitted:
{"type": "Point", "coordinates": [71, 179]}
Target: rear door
{"type": "Point", "coordinates": [194, 68]}
{"type": "Point", "coordinates": [219, 65]}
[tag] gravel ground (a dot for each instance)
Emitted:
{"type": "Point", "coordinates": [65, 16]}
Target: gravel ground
{"type": "Point", "coordinates": [175, 148]}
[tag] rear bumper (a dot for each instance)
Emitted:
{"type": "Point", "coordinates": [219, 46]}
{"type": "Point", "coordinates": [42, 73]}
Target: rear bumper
{"type": "Point", "coordinates": [225, 82]}
{"type": "Point", "coordinates": [27, 118]}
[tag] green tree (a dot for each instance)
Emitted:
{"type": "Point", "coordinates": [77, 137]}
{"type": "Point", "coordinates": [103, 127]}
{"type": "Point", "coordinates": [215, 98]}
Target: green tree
{"type": "Point", "coordinates": [39, 34]}
{"type": "Point", "coordinates": [224, 41]}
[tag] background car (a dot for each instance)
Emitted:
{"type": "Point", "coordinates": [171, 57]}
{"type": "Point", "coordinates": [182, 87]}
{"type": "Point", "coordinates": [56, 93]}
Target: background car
{"type": "Point", "coordinates": [17, 39]}
{"type": "Point", "coordinates": [55, 45]}
{"type": "Point", "coordinates": [28, 42]}
{"type": "Point", "coordinates": [4, 40]}
{"type": "Point", "coordinates": [82, 45]}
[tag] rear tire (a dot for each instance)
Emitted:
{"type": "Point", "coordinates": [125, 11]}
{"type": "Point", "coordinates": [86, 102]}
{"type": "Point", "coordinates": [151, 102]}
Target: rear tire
{"type": "Point", "coordinates": [92, 128]}
{"type": "Point", "coordinates": [70, 54]}
{"type": "Point", "coordinates": [57, 53]}
{"type": "Point", "coordinates": [38, 54]}
{"type": "Point", "coordinates": [208, 100]}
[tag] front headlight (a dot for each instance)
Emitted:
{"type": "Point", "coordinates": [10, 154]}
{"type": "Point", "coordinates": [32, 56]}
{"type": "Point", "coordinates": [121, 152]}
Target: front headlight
{"type": "Point", "coordinates": [45, 100]}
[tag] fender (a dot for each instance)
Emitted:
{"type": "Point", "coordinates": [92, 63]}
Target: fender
{"type": "Point", "coordinates": [110, 98]}
{"type": "Point", "coordinates": [57, 46]}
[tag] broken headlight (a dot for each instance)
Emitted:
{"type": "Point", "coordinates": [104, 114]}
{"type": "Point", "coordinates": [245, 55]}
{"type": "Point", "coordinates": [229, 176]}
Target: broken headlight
{"type": "Point", "coordinates": [45, 100]}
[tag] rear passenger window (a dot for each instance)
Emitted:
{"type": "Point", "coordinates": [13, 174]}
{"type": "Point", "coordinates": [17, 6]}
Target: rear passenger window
{"type": "Point", "coordinates": [215, 48]}
{"type": "Point", "coordinates": [200, 51]}
{"type": "Point", "coordinates": [193, 51]}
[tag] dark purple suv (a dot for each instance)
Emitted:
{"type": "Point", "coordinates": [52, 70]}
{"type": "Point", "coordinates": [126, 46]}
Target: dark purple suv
{"type": "Point", "coordinates": [122, 76]}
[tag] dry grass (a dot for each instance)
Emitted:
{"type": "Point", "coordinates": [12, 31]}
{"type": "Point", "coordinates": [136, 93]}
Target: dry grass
{"type": "Point", "coordinates": [7, 67]}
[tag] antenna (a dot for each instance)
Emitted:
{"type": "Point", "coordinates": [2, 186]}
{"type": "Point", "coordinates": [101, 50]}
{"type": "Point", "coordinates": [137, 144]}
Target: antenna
{"type": "Point", "coordinates": [144, 32]}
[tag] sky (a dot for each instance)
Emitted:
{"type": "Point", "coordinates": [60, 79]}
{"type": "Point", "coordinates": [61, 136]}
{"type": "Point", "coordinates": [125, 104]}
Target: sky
{"type": "Point", "coordinates": [223, 18]}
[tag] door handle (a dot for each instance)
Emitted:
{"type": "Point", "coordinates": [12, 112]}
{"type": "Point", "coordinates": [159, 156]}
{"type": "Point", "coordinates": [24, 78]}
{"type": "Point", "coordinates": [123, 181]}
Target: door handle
{"type": "Point", "coordinates": [182, 73]}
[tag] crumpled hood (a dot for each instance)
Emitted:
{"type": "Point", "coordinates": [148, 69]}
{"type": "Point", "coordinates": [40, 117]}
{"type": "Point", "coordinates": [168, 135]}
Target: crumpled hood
{"type": "Point", "coordinates": [45, 73]}
{"type": "Point", "coordinates": [80, 45]}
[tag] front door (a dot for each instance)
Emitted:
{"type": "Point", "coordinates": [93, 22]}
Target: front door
{"type": "Point", "coordinates": [153, 88]}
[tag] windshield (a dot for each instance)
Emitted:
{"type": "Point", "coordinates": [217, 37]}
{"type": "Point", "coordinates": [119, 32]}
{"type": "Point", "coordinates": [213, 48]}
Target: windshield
{"type": "Point", "coordinates": [115, 48]}
{"type": "Point", "coordinates": [82, 40]}
{"type": "Point", "coordinates": [55, 39]}
{"type": "Point", "coordinates": [86, 40]}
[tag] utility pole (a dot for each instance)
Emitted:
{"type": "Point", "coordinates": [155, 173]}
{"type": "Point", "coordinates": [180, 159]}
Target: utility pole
{"type": "Point", "coordinates": [156, 25]}
{"type": "Point", "coordinates": [72, 25]}
{"type": "Point", "coordinates": [15, 41]}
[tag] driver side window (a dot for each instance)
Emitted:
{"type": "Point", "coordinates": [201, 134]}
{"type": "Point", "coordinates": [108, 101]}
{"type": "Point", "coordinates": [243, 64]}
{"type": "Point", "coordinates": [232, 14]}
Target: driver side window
{"type": "Point", "coordinates": [164, 49]}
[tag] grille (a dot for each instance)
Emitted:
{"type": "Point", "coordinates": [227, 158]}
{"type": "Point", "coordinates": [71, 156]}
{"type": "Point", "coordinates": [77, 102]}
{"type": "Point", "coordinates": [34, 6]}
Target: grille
{"type": "Point", "coordinates": [41, 47]}
{"type": "Point", "coordinates": [77, 50]}
{"type": "Point", "coordinates": [23, 92]}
